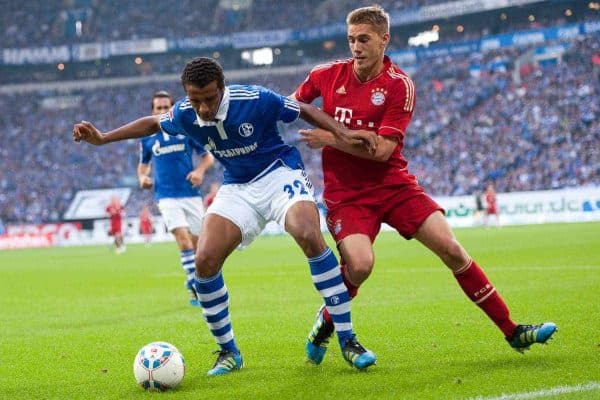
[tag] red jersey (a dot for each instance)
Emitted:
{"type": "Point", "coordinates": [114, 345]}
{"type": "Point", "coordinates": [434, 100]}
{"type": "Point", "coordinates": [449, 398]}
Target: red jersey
{"type": "Point", "coordinates": [490, 199]}
{"type": "Point", "coordinates": [115, 212]}
{"type": "Point", "coordinates": [145, 223]}
{"type": "Point", "coordinates": [383, 104]}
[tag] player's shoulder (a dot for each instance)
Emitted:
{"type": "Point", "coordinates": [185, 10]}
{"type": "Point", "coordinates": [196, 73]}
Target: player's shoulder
{"type": "Point", "coordinates": [331, 66]}
{"type": "Point", "coordinates": [394, 74]}
{"type": "Point", "coordinates": [182, 105]}
{"type": "Point", "coordinates": [244, 92]}
{"type": "Point", "coordinates": [399, 81]}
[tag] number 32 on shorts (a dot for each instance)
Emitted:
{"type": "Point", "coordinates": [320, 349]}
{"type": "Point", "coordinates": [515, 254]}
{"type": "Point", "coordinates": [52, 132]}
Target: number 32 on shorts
{"type": "Point", "coordinates": [295, 187]}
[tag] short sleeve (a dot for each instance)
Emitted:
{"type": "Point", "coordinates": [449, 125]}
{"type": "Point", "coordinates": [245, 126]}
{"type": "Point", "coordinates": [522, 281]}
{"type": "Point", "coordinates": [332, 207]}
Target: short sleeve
{"type": "Point", "coordinates": [145, 153]}
{"type": "Point", "coordinates": [399, 111]}
{"type": "Point", "coordinates": [281, 108]}
{"type": "Point", "coordinates": [310, 89]}
{"type": "Point", "coordinates": [170, 122]}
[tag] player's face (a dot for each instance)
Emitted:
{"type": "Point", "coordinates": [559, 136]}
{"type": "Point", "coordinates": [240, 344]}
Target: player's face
{"type": "Point", "coordinates": [205, 100]}
{"type": "Point", "coordinates": [367, 46]}
{"type": "Point", "coordinates": [160, 105]}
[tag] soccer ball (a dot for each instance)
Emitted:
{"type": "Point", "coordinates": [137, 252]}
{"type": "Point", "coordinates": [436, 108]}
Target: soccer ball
{"type": "Point", "coordinates": [159, 366]}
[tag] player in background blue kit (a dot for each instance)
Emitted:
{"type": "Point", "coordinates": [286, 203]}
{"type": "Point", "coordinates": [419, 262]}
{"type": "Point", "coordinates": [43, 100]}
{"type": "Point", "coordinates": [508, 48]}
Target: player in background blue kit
{"type": "Point", "coordinates": [175, 184]}
{"type": "Point", "coordinates": [264, 180]}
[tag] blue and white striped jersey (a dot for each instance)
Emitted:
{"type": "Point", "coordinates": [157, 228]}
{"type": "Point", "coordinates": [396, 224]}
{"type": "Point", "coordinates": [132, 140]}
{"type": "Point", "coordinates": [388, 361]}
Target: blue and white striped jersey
{"type": "Point", "coordinates": [172, 161]}
{"type": "Point", "coordinates": [244, 137]}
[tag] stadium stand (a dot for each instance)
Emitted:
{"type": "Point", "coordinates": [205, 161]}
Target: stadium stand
{"type": "Point", "coordinates": [539, 134]}
{"type": "Point", "coordinates": [495, 115]}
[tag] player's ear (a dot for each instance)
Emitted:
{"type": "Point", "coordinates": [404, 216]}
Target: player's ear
{"type": "Point", "coordinates": [385, 40]}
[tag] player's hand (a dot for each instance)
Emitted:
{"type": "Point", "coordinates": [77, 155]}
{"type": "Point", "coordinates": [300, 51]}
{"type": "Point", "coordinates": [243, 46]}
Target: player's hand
{"type": "Point", "coordinates": [145, 182]}
{"type": "Point", "coordinates": [88, 133]}
{"type": "Point", "coordinates": [367, 137]}
{"type": "Point", "coordinates": [196, 178]}
{"type": "Point", "coordinates": [316, 138]}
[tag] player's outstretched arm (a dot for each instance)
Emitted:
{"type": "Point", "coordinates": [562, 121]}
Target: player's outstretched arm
{"type": "Point", "coordinates": [317, 138]}
{"type": "Point", "coordinates": [141, 127]}
{"type": "Point", "coordinates": [314, 116]}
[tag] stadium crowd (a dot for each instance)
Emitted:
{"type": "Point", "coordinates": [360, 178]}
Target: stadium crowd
{"type": "Point", "coordinates": [535, 129]}
{"type": "Point", "coordinates": [58, 22]}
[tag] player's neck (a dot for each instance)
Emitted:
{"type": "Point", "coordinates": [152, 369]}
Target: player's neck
{"type": "Point", "coordinates": [366, 75]}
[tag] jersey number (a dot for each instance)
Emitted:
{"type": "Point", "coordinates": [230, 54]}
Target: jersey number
{"type": "Point", "coordinates": [290, 190]}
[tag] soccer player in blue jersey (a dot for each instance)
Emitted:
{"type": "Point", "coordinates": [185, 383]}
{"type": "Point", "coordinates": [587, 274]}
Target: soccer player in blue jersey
{"type": "Point", "coordinates": [175, 185]}
{"type": "Point", "coordinates": [264, 180]}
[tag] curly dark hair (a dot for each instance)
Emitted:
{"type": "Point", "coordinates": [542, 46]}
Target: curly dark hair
{"type": "Point", "coordinates": [201, 71]}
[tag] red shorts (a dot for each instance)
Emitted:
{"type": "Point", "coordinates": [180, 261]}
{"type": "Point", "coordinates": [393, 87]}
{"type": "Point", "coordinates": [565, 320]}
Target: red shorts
{"type": "Point", "coordinates": [403, 208]}
{"type": "Point", "coordinates": [146, 228]}
{"type": "Point", "coordinates": [492, 211]}
{"type": "Point", "coordinates": [114, 229]}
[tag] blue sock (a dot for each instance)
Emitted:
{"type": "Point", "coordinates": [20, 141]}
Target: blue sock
{"type": "Point", "coordinates": [326, 276]}
{"type": "Point", "coordinates": [189, 267]}
{"type": "Point", "coordinates": [214, 300]}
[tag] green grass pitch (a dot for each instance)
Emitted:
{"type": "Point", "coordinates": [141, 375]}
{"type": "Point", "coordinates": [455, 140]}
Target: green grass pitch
{"type": "Point", "coordinates": [72, 320]}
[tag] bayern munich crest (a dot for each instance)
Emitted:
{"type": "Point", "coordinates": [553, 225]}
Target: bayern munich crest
{"type": "Point", "coordinates": [378, 96]}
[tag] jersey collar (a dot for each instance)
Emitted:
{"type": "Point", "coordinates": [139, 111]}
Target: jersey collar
{"type": "Point", "coordinates": [221, 112]}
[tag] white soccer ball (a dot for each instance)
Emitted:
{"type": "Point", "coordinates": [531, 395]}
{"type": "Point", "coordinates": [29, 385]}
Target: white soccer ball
{"type": "Point", "coordinates": [159, 366]}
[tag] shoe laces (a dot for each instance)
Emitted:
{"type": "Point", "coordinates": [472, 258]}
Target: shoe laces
{"type": "Point", "coordinates": [353, 345]}
{"type": "Point", "coordinates": [223, 355]}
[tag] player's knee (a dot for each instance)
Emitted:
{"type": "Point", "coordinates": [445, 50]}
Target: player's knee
{"type": "Point", "coordinates": [207, 264]}
{"type": "Point", "coordinates": [359, 267]}
{"type": "Point", "coordinates": [310, 240]}
{"type": "Point", "coordinates": [454, 255]}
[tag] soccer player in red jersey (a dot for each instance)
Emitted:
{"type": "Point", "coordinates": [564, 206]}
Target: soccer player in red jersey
{"type": "Point", "coordinates": [116, 212]}
{"type": "Point", "coordinates": [362, 189]}
{"type": "Point", "coordinates": [491, 206]}
{"type": "Point", "coordinates": [146, 229]}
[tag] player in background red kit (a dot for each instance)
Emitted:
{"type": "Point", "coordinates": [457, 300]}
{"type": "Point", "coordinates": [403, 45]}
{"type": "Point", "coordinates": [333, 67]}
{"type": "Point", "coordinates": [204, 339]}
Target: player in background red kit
{"type": "Point", "coordinates": [362, 190]}
{"type": "Point", "coordinates": [116, 212]}
{"type": "Point", "coordinates": [491, 209]}
{"type": "Point", "coordinates": [146, 229]}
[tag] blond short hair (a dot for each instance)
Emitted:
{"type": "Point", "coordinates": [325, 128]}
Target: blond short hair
{"type": "Point", "coordinates": [373, 15]}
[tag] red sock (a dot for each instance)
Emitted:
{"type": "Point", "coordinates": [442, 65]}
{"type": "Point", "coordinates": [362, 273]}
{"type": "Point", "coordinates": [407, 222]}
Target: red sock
{"type": "Point", "coordinates": [478, 288]}
{"type": "Point", "coordinates": [352, 290]}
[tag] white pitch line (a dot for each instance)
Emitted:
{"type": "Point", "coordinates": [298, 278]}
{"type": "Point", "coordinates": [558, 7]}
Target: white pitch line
{"type": "Point", "coordinates": [555, 391]}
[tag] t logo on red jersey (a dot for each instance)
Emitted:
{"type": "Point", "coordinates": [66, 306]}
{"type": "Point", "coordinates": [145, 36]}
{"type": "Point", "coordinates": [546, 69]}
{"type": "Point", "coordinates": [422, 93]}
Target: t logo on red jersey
{"type": "Point", "coordinates": [343, 115]}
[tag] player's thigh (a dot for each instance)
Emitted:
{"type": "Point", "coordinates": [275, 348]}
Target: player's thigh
{"type": "Point", "coordinates": [282, 189]}
{"type": "Point", "coordinates": [194, 213]}
{"type": "Point", "coordinates": [235, 203]}
{"type": "Point", "coordinates": [435, 233]}
{"type": "Point", "coordinates": [172, 214]}
{"type": "Point", "coordinates": [221, 237]}
{"type": "Point", "coordinates": [302, 222]}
